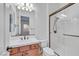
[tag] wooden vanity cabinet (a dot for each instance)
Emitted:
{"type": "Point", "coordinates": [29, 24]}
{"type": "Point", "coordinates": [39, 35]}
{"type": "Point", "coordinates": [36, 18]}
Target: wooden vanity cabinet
{"type": "Point", "coordinates": [27, 50]}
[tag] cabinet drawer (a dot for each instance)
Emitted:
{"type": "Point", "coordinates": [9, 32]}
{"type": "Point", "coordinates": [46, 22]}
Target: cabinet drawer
{"type": "Point", "coordinates": [14, 50]}
{"type": "Point", "coordinates": [24, 48]}
{"type": "Point", "coordinates": [34, 46]}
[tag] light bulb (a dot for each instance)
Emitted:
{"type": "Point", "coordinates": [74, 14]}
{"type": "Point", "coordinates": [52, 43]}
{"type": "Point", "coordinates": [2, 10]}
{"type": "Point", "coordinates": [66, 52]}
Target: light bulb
{"type": "Point", "coordinates": [26, 9]}
{"type": "Point", "coordinates": [30, 10]}
{"type": "Point", "coordinates": [18, 7]}
{"type": "Point", "coordinates": [31, 5]}
{"type": "Point", "coordinates": [23, 8]}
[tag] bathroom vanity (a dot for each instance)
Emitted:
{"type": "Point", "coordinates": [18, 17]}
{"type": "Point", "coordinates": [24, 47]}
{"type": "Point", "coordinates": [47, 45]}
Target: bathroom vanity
{"type": "Point", "coordinates": [26, 50]}
{"type": "Point", "coordinates": [30, 47]}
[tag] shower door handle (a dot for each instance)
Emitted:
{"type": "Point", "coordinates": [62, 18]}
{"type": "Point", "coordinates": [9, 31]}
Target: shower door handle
{"type": "Point", "coordinates": [71, 35]}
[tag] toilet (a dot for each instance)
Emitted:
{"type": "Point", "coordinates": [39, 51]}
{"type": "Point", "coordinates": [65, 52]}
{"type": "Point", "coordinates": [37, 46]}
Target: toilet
{"type": "Point", "coordinates": [46, 50]}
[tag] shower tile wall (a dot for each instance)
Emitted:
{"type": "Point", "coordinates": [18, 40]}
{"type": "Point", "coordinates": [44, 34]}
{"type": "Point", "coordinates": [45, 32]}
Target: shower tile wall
{"type": "Point", "coordinates": [67, 45]}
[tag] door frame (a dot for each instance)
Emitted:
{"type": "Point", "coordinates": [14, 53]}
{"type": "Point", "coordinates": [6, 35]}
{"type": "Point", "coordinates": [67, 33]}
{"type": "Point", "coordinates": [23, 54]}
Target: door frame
{"type": "Point", "coordinates": [57, 11]}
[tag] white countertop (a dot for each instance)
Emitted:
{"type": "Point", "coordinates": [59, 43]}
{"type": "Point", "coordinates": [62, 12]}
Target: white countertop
{"type": "Point", "coordinates": [19, 42]}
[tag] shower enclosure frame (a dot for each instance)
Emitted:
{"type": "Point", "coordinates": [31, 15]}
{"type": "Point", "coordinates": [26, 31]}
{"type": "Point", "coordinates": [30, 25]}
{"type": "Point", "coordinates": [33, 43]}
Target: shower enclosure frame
{"type": "Point", "coordinates": [57, 11]}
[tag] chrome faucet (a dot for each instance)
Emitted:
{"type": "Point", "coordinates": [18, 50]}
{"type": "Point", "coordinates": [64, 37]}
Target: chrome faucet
{"type": "Point", "coordinates": [26, 37]}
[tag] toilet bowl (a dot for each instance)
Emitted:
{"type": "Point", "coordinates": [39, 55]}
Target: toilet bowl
{"type": "Point", "coordinates": [48, 52]}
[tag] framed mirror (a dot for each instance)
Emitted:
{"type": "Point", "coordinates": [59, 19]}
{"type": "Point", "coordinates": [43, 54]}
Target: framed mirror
{"type": "Point", "coordinates": [24, 25]}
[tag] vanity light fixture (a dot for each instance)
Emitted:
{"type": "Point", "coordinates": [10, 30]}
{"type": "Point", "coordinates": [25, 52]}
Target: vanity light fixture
{"type": "Point", "coordinates": [25, 7]}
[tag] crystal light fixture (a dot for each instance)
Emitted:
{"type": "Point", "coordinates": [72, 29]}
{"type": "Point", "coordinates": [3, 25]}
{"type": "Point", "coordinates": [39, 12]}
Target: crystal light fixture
{"type": "Point", "coordinates": [25, 7]}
